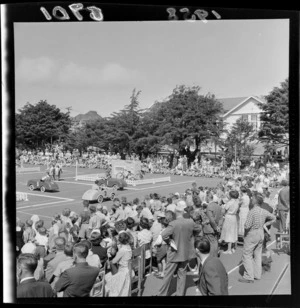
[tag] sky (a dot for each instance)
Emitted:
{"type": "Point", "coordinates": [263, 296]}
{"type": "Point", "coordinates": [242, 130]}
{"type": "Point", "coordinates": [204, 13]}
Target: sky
{"type": "Point", "coordinates": [96, 66]}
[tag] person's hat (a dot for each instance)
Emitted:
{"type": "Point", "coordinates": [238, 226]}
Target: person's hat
{"type": "Point", "coordinates": [95, 236]}
{"type": "Point", "coordinates": [177, 194]}
{"type": "Point", "coordinates": [181, 205]}
{"type": "Point", "coordinates": [28, 248]}
{"type": "Point", "coordinates": [160, 214]}
{"type": "Point", "coordinates": [35, 218]}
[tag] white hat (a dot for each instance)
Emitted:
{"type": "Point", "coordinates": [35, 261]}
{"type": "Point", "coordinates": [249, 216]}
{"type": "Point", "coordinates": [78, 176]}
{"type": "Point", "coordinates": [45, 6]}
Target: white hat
{"type": "Point", "coordinates": [177, 194]}
{"type": "Point", "coordinates": [28, 248]}
{"type": "Point", "coordinates": [160, 214]}
{"type": "Point", "coordinates": [181, 205]}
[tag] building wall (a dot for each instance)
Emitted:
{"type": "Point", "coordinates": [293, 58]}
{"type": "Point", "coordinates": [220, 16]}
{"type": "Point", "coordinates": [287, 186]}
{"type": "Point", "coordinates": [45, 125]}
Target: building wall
{"type": "Point", "coordinates": [248, 111]}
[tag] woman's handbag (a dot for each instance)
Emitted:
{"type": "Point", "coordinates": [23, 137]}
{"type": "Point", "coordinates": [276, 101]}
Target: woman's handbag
{"type": "Point", "coordinates": [113, 268]}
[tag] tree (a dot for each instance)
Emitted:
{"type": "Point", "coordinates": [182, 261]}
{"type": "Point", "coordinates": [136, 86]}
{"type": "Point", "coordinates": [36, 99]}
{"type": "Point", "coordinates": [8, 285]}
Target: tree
{"type": "Point", "coordinates": [187, 118]}
{"type": "Point", "coordinates": [39, 124]}
{"type": "Point", "coordinates": [239, 140]}
{"type": "Point", "coordinates": [275, 116]}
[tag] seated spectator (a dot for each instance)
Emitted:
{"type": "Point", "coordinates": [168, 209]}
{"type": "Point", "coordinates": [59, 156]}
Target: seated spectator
{"type": "Point", "coordinates": [19, 234]}
{"type": "Point", "coordinates": [118, 284]}
{"type": "Point", "coordinates": [145, 236]}
{"type": "Point", "coordinates": [130, 223]}
{"type": "Point", "coordinates": [95, 220]}
{"type": "Point", "coordinates": [28, 286]}
{"type": "Point", "coordinates": [92, 259]}
{"type": "Point", "coordinates": [41, 239]}
{"type": "Point", "coordinates": [146, 212]}
{"type": "Point", "coordinates": [170, 206]}
{"type": "Point", "coordinates": [99, 246]}
{"type": "Point", "coordinates": [60, 243]}
{"type": "Point", "coordinates": [78, 281]}
{"type": "Point", "coordinates": [29, 233]}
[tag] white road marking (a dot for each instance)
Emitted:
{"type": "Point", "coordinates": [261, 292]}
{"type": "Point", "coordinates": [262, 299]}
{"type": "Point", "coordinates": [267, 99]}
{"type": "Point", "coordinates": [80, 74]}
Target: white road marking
{"type": "Point", "coordinates": [242, 263]}
{"type": "Point", "coordinates": [62, 182]}
{"type": "Point", "coordinates": [42, 204]}
{"type": "Point", "coordinates": [46, 196]}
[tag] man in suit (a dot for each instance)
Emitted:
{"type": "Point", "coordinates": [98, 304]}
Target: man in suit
{"type": "Point", "coordinates": [212, 230]}
{"type": "Point", "coordinates": [78, 280]}
{"type": "Point", "coordinates": [28, 286]}
{"type": "Point", "coordinates": [181, 231]}
{"type": "Point", "coordinates": [283, 205]}
{"type": "Point", "coordinates": [213, 278]}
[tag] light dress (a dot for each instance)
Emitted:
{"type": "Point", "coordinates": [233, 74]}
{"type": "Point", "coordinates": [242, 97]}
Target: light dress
{"type": "Point", "coordinates": [244, 209]}
{"type": "Point", "coordinates": [229, 232]}
{"type": "Point", "coordinates": [118, 284]}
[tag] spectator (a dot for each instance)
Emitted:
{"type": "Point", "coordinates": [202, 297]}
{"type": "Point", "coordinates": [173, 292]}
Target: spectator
{"type": "Point", "coordinates": [84, 220]}
{"type": "Point", "coordinates": [95, 220]}
{"type": "Point", "coordinates": [28, 286]}
{"type": "Point", "coordinates": [130, 223]}
{"type": "Point", "coordinates": [41, 239]}
{"type": "Point", "coordinates": [29, 233]}
{"type": "Point", "coordinates": [78, 281]}
{"type": "Point", "coordinates": [253, 240]}
{"type": "Point", "coordinates": [92, 259]}
{"type": "Point", "coordinates": [283, 205]}
{"type": "Point", "coordinates": [119, 283]}
{"type": "Point", "coordinates": [144, 236]}
{"type": "Point", "coordinates": [170, 206]}
{"type": "Point", "coordinates": [244, 203]}
{"type": "Point", "coordinates": [213, 278]}
{"type": "Point", "coordinates": [99, 246]}
{"type": "Point", "coordinates": [146, 212]}
{"type": "Point", "coordinates": [229, 232]}
{"type": "Point", "coordinates": [59, 257]}
{"type": "Point", "coordinates": [19, 235]}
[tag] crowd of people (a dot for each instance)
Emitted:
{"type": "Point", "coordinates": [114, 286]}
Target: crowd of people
{"type": "Point", "coordinates": [187, 231]}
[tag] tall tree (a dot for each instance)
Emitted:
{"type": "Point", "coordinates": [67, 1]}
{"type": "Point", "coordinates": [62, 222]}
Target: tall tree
{"type": "Point", "coordinates": [188, 118]}
{"type": "Point", "coordinates": [39, 124]}
{"type": "Point", "coordinates": [275, 116]}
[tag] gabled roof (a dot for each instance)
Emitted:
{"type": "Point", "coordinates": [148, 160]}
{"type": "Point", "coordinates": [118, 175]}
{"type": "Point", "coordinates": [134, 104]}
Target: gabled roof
{"type": "Point", "coordinates": [229, 104]}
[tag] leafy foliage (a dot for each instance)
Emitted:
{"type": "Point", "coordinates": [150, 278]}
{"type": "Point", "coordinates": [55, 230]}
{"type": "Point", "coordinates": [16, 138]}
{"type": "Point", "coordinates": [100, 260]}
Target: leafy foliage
{"type": "Point", "coordinates": [275, 116]}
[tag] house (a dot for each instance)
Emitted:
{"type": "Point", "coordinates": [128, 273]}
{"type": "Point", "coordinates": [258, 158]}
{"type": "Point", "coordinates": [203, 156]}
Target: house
{"type": "Point", "coordinates": [245, 108]}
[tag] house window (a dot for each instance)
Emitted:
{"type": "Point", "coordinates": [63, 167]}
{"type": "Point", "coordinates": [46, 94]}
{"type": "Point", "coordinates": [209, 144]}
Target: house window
{"type": "Point", "coordinates": [254, 121]}
{"type": "Point", "coordinates": [245, 117]}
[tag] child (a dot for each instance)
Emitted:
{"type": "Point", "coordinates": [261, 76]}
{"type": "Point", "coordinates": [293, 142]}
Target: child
{"type": "Point", "coordinates": [29, 233]}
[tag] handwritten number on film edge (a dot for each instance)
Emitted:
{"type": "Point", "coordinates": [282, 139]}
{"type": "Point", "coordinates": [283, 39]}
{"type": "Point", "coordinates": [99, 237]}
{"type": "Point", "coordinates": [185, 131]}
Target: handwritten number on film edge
{"type": "Point", "coordinates": [95, 12]}
{"type": "Point", "coordinates": [201, 14]}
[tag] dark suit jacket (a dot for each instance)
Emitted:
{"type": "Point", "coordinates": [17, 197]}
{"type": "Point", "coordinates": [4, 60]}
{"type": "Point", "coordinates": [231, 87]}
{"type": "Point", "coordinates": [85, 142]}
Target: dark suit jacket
{"type": "Point", "coordinates": [77, 281]}
{"type": "Point", "coordinates": [33, 288]}
{"type": "Point", "coordinates": [181, 231]}
{"type": "Point", "coordinates": [213, 278]}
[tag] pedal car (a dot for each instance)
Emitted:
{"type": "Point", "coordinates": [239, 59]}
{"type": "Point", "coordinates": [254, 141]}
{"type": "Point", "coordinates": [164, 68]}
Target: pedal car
{"type": "Point", "coordinates": [99, 194]}
{"type": "Point", "coordinates": [112, 182]}
{"type": "Point", "coordinates": [42, 185]}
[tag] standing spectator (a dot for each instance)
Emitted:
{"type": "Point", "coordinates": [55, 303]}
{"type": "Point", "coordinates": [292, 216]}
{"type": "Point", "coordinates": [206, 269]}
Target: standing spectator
{"type": "Point", "coordinates": [78, 281]}
{"type": "Point", "coordinates": [283, 205]}
{"type": "Point", "coordinates": [28, 287]}
{"type": "Point", "coordinates": [244, 203]}
{"type": "Point", "coordinates": [119, 214]}
{"type": "Point", "coordinates": [253, 240]}
{"type": "Point", "coordinates": [229, 232]}
{"type": "Point", "coordinates": [146, 213]}
{"type": "Point", "coordinates": [84, 220]}
{"type": "Point", "coordinates": [59, 257]}
{"type": "Point", "coordinates": [170, 206]}
{"type": "Point", "coordinates": [181, 231]}
{"type": "Point", "coordinates": [213, 278]}
{"type": "Point", "coordinates": [42, 240]}
{"type": "Point", "coordinates": [212, 230]}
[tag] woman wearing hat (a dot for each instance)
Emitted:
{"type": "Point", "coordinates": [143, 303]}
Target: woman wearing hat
{"type": "Point", "coordinates": [229, 232]}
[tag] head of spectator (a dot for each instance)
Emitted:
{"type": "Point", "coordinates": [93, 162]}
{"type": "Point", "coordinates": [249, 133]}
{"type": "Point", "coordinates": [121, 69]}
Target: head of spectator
{"type": "Point", "coordinates": [197, 201]}
{"type": "Point", "coordinates": [80, 252]}
{"type": "Point", "coordinates": [57, 218]}
{"type": "Point", "coordinates": [169, 200]}
{"type": "Point", "coordinates": [257, 199]}
{"type": "Point", "coordinates": [74, 218]}
{"type": "Point", "coordinates": [130, 223]}
{"type": "Point", "coordinates": [233, 194]}
{"type": "Point", "coordinates": [116, 202]}
{"type": "Point", "coordinates": [177, 195]}
{"type": "Point", "coordinates": [66, 212]}
{"type": "Point", "coordinates": [180, 207]}
{"type": "Point", "coordinates": [120, 226]}
{"type": "Point", "coordinates": [85, 203]}
{"type": "Point", "coordinates": [28, 223]}
{"type": "Point", "coordinates": [139, 209]}
{"type": "Point", "coordinates": [42, 231]}
{"type": "Point", "coordinates": [202, 247]}
{"type": "Point", "coordinates": [92, 209]}
{"type": "Point", "coordinates": [39, 224]}
{"type": "Point", "coordinates": [26, 265]}
{"type": "Point", "coordinates": [124, 238]}
{"type": "Point", "coordinates": [124, 201]}
{"type": "Point", "coordinates": [87, 243]}
{"type": "Point", "coordinates": [136, 201]}
{"type": "Point", "coordinates": [170, 216]}
{"type": "Point", "coordinates": [68, 250]}
{"type": "Point", "coordinates": [95, 238]}
{"type": "Point", "coordinates": [160, 216]}
{"type": "Point", "coordinates": [112, 210]}
{"type": "Point", "coordinates": [74, 232]}
{"type": "Point", "coordinates": [144, 223]}
{"type": "Point", "coordinates": [60, 243]}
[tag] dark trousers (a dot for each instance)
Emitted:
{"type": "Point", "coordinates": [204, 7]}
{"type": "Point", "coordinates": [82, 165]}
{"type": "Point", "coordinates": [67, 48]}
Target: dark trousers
{"type": "Point", "coordinates": [213, 240]}
{"type": "Point", "coordinates": [171, 267]}
{"type": "Point", "coordinates": [282, 220]}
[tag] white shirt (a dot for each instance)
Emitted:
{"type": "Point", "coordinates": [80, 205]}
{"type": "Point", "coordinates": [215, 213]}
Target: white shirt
{"type": "Point", "coordinates": [171, 207]}
{"type": "Point", "coordinates": [27, 278]}
{"type": "Point", "coordinates": [204, 258]}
